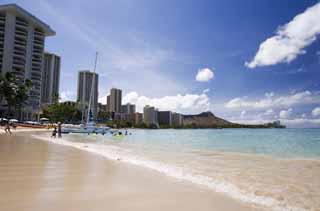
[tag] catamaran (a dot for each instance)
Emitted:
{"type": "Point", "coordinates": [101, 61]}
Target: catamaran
{"type": "Point", "coordinates": [90, 125]}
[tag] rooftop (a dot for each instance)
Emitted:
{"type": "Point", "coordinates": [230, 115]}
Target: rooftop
{"type": "Point", "coordinates": [29, 17]}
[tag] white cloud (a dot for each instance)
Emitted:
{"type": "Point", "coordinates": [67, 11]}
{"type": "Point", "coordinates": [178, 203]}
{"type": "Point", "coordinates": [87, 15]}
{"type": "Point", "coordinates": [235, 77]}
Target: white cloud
{"type": "Point", "coordinates": [316, 112]}
{"type": "Point", "coordinates": [243, 114]}
{"type": "Point", "coordinates": [204, 75]}
{"type": "Point", "coordinates": [67, 96]}
{"type": "Point", "coordinates": [187, 104]}
{"type": "Point", "coordinates": [285, 114]}
{"type": "Point", "coordinates": [290, 39]}
{"type": "Point", "coordinates": [206, 90]}
{"type": "Point", "coordinates": [271, 101]}
{"type": "Point", "coordinates": [269, 112]}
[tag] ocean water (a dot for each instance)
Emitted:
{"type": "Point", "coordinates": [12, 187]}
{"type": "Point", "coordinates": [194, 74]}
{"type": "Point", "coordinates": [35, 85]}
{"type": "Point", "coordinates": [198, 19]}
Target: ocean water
{"type": "Point", "coordinates": [274, 169]}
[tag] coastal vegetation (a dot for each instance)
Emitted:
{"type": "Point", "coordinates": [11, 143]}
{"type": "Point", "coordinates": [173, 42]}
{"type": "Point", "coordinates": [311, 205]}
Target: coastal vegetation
{"type": "Point", "coordinates": [70, 113]}
{"type": "Point", "coordinates": [13, 93]}
{"type": "Point", "coordinates": [61, 112]}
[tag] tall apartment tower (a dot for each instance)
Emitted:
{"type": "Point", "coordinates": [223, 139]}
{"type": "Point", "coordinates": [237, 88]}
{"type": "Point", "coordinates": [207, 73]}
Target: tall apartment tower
{"type": "Point", "coordinates": [128, 108]}
{"type": "Point", "coordinates": [150, 116]}
{"type": "Point", "coordinates": [165, 118]}
{"type": "Point", "coordinates": [86, 81]}
{"type": "Point", "coordinates": [50, 79]}
{"type": "Point", "coordinates": [108, 103]}
{"type": "Point", "coordinates": [22, 40]}
{"type": "Point", "coordinates": [115, 100]}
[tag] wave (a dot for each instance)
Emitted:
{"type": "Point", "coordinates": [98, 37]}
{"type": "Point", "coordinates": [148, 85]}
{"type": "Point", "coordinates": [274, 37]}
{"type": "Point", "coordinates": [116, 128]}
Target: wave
{"type": "Point", "coordinates": [119, 153]}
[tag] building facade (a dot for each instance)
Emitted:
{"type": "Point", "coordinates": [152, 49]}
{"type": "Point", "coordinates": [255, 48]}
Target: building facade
{"type": "Point", "coordinates": [22, 41]}
{"type": "Point", "coordinates": [87, 86]}
{"type": "Point", "coordinates": [50, 79]}
{"type": "Point", "coordinates": [128, 108]}
{"type": "Point", "coordinates": [115, 100]}
{"type": "Point", "coordinates": [165, 118]}
{"type": "Point", "coordinates": [138, 118]}
{"type": "Point", "coordinates": [177, 120]}
{"type": "Point", "coordinates": [108, 103]}
{"type": "Point", "coordinates": [150, 116]}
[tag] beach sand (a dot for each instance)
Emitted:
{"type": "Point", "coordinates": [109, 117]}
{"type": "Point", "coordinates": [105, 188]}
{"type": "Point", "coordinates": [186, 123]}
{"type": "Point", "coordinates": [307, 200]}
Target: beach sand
{"type": "Point", "coordinates": [36, 175]}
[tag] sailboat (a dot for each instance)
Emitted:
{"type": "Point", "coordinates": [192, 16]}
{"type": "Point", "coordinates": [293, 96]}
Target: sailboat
{"type": "Point", "coordinates": [90, 125]}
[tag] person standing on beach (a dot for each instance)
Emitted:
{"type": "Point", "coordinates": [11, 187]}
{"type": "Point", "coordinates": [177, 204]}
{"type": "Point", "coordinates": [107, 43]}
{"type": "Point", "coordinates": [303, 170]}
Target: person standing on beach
{"type": "Point", "coordinates": [7, 128]}
{"type": "Point", "coordinates": [59, 130]}
{"type": "Point", "coordinates": [54, 133]}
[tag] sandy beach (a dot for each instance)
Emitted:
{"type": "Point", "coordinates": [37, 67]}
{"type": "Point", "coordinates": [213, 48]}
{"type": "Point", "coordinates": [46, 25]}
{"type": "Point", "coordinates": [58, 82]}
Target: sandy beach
{"type": "Point", "coordinates": [37, 175]}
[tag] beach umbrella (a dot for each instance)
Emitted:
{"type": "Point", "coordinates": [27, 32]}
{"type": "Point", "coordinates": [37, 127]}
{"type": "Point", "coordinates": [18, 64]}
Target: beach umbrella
{"type": "Point", "coordinates": [13, 120]}
{"type": "Point", "coordinates": [44, 119]}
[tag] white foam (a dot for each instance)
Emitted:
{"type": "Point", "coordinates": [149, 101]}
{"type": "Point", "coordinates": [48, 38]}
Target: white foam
{"type": "Point", "coordinates": [116, 153]}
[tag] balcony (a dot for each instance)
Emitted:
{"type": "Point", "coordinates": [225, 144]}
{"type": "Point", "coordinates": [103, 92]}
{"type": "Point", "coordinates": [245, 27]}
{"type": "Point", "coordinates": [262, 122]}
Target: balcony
{"type": "Point", "coordinates": [36, 75]}
{"type": "Point", "coordinates": [21, 24]}
{"type": "Point", "coordinates": [17, 65]}
{"type": "Point", "coordinates": [38, 32]}
{"type": "Point", "coordinates": [38, 39]}
{"type": "Point", "coordinates": [20, 44]}
{"type": "Point", "coordinates": [19, 53]}
{"type": "Point", "coordinates": [19, 59]}
{"type": "Point", "coordinates": [38, 43]}
{"type": "Point", "coordinates": [21, 34]}
{"type": "Point", "coordinates": [20, 39]}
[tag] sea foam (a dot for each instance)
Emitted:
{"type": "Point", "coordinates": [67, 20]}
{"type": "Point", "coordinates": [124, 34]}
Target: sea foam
{"type": "Point", "coordinates": [118, 153]}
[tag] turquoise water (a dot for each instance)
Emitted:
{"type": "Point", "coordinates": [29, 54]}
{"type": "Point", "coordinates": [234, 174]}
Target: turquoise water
{"type": "Point", "coordinates": [282, 143]}
{"type": "Point", "coordinates": [275, 169]}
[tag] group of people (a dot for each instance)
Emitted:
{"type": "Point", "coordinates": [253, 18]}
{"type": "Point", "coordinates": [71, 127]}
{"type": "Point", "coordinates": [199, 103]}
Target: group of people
{"type": "Point", "coordinates": [57, 130]}
{"type": "Point", "coordinates": [120, 133]}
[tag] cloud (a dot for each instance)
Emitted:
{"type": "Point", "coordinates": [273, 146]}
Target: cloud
{"type": "Point", "coordinates": [316, 112]}
{"type": "Point", "coordinates": [206, 90]}
{"type": "Point", "coordinates": [67, 96]}
{"type": "Point", "coordinates": [270, 101]}
{"type": "Point", "coordinates": [243, 114]}
{"type": "Point", "coordinates": [285, 114]}
{"type": "Point", "coordinates": [187, 104]}
{"type": "Point", "coordinates": [290, 39]}
{"type": "Point", "coordinates": [204, 75]}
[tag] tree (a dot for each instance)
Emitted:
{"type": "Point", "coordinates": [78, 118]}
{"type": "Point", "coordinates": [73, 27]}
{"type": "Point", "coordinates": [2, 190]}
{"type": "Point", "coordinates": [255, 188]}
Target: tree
{"type": "Point", "coordinates": [14, 92]}
{"type": "Point", "coordinates": [60, 112]}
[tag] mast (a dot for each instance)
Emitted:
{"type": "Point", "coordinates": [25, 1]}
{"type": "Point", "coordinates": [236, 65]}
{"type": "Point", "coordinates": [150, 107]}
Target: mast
{"type": "Point", "coordinates": [92, 87]}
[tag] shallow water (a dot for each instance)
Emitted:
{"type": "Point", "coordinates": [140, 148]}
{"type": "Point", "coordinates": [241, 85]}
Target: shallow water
{"type": "Point", "coordinates": [278, 169]}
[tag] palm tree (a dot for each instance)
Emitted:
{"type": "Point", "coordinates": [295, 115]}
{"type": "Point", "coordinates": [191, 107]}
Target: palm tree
{"type": "Point", "coordinates": [13, 92]}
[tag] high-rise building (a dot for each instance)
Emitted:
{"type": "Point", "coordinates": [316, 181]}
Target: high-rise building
{"type": "Point", "coordinates": [128, 108]}
{"type": "Point", "coordinates": [115, 100]}
{"type": "Point", "coordinates": [87, 86]}
{"type": "Point", "coordinates": [165, 118]}
{"type": "Point", "coordinates": [138, 118]}
{"type": "Point", "coordinates": [150, 116]}
{"type": "Point", "coordinates": [50, 79]}
{"type": "Point", "coordinates": [177, 119]}
{"type": "Point", "coordinates": [22, 40]}
{"type": "Point", "coordinates": [108, 103]}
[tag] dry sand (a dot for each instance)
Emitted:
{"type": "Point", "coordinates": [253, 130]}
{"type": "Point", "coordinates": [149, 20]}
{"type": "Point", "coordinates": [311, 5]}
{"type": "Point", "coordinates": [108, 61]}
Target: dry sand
{"type": "Point", "coordinates": [38, 176]}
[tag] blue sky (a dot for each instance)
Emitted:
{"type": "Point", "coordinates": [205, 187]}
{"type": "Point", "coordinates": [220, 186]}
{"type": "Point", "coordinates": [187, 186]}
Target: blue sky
{"type": "Point", "coordinates": [260, 59]}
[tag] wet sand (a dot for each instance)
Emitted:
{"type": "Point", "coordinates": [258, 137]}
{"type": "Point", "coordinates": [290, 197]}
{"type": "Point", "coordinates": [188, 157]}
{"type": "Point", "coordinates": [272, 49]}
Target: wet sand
{"type": "Point", "coordinates": [37, 175]}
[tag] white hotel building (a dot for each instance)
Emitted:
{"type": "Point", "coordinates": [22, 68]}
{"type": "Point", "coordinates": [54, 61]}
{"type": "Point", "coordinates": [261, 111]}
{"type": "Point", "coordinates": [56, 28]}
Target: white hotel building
{"type": "Point", "coordinates": [22, 40]}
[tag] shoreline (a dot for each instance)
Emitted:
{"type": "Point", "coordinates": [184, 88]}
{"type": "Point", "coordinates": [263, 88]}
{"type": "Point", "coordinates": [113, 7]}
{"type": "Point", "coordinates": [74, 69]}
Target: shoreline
{"type": "Point", "coordinates": [131, 181]}
{"type": "Point", "coordinates": [226, 188]}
